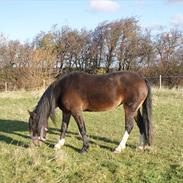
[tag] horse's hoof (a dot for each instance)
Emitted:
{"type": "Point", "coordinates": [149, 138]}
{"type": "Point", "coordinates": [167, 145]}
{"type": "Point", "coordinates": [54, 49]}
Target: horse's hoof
{"type": "Point", "coordinates": [141, 147]}
{"type": "Point", "coordinates": [59, 144]}
{"type": "Point", "coordinates": [57, 147]}
{"type": "Point", "coordinates": [147, 147]}
{"type": "Point", "coordinates": [84, 150]}
{"type": "Point", "coordinates": [144, 147]}
{"type": "Point", "coordinates": [117, 151]}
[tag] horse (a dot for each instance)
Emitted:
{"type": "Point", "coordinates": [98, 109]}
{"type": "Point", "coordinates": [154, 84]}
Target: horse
{"type": "Point", "coordinates": [77, 92]}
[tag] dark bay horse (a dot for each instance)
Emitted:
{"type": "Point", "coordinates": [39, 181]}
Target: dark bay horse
{"type": "Point", "coordinates": [76, 92]}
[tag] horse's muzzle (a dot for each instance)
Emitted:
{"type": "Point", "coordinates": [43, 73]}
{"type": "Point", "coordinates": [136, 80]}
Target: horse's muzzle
{"type": "Point", "coordinates": [37, 141]}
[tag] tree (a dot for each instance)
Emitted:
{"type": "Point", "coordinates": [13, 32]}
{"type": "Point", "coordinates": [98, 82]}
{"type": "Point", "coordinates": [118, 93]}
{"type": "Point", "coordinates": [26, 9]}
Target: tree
{"type": "Point", "coordinates": [128, 47]}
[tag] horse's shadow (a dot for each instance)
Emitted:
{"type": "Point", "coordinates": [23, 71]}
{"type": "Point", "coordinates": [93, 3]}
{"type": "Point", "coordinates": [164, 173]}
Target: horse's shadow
{"type": "Point", "coordinates": [15, 127]}
{"type": "Point", "coordinates": [93, 139]}
{"type": "Point", "coordinates": [19, 128]}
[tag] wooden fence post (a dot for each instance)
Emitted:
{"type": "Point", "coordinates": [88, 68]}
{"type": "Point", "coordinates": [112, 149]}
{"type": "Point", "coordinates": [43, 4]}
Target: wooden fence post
{"type": "Point", "coordinates": [5, 86]}
{"type": "Point", "coordinates": [160, 80]}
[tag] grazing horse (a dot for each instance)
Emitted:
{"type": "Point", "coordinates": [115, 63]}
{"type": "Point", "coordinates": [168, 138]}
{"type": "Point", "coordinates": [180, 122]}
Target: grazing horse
{"type": "Point", "coordinates": [76, 92]}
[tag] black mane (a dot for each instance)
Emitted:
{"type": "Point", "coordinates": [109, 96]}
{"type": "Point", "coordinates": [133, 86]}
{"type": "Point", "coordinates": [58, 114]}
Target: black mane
{"type": "Point", "coordinates": [46, 106]}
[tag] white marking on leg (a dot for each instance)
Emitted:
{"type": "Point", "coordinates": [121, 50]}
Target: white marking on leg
{"type": "Point", "coordinates": [60, 144]}
{"type": "Point", "coordinates": [122, 144]}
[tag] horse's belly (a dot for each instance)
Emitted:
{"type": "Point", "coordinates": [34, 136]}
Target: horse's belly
{"type": "Point", "coordinates": [103, 106]}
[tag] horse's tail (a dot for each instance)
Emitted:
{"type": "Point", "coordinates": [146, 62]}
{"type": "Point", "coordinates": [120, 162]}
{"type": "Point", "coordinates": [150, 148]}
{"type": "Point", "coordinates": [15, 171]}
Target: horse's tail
{"type": "Point", "coordinates": [147, 114]}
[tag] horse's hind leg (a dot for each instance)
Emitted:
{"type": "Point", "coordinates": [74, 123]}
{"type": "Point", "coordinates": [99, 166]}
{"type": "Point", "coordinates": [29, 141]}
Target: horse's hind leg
{"type": "Point", "coordinates": [140, 123]}
{"type": "Point", "coordinates": [129, 123]}
{"type": "Point", "coordinates": [82, 129]}
{"type": "Point", "coordinates": [64, 126]}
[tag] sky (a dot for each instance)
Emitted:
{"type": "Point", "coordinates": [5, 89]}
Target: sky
{"type": "Point", "coordinates": [24, 19]}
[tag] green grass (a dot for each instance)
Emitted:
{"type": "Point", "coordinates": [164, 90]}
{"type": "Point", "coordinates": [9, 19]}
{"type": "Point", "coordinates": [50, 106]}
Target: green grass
{"type": "Point", "coordinates": [21, 163]}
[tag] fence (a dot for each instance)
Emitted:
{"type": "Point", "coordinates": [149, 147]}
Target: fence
{"type": "Point", "coordinates": [159, 81]}
{"type": "Point", "coordinates": [166, 81]}
{"type": "Point", "coordinates": [9, 86]}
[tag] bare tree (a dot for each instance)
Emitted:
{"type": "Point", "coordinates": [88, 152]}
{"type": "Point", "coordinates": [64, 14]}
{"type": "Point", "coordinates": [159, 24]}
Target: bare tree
{"type": "Point", "coordinates": [128, 47]}
{"type": "Point", "coordinates": [166, 45]}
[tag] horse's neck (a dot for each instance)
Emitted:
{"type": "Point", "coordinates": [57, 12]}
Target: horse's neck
{"type": "Point", "coordinates": [43, 109]}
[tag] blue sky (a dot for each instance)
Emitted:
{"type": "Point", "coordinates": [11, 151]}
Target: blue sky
{"type": "Point", "coordinates": [23, 19]}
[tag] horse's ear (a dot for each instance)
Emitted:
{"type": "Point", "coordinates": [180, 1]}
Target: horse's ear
{"type": "Point", "coordinates": [32, 114]}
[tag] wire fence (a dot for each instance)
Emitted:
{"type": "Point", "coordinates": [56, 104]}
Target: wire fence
{"type": "Point", "coordinates": [166, 81]}
{"type": "Point", "coordinates": [9, 86]}
{"type": "Point", "coordinates": [157, 81]}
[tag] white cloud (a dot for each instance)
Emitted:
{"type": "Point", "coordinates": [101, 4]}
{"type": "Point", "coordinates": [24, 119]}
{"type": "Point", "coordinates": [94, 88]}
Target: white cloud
{"type": "Point", "coordinates": [104, 5]}
{"type": "Point", "coordinates": [177, 20]}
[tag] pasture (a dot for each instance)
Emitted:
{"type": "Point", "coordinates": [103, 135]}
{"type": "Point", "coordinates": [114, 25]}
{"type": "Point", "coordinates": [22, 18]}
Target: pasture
{"type": "Point", "coordinates": [21, 163]}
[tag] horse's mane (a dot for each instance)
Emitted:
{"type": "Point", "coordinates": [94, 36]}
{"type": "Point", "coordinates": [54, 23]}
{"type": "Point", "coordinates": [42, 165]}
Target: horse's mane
{"type": "Point", "coordinates": [46, 106]}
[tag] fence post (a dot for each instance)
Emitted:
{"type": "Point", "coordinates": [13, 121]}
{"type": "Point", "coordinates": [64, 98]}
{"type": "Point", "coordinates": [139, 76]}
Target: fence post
{"type": "Point", "coordinates": [5, 86]}
{"type": "Point", "coordinates": [160, 80]}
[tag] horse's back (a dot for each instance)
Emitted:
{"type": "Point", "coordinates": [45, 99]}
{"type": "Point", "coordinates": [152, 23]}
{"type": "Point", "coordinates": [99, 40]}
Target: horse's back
{"type": "Point", "coordinates": [100, 92]}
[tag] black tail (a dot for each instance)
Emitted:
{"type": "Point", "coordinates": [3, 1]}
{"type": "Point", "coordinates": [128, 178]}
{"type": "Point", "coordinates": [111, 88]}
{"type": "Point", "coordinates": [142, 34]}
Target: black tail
{"type": "Point", "coordinates": [147, 114]}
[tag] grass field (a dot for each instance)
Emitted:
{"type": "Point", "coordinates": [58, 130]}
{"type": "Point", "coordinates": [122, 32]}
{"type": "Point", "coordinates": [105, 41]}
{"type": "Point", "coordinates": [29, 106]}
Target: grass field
{"type": "Point", "coordinates": [21, 163]}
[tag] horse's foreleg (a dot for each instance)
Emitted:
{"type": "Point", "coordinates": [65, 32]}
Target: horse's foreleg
{"type": "Point", "coordinates": [64, 126]}
{"type": "Point", "coordinates": [129, 123]}
{"type": "Point", "coordinates": [82, 129]}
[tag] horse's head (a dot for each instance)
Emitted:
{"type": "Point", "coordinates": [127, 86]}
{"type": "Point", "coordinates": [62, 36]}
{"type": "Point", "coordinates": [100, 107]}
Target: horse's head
{"type": "Point", "coordinates": [37, 131]}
